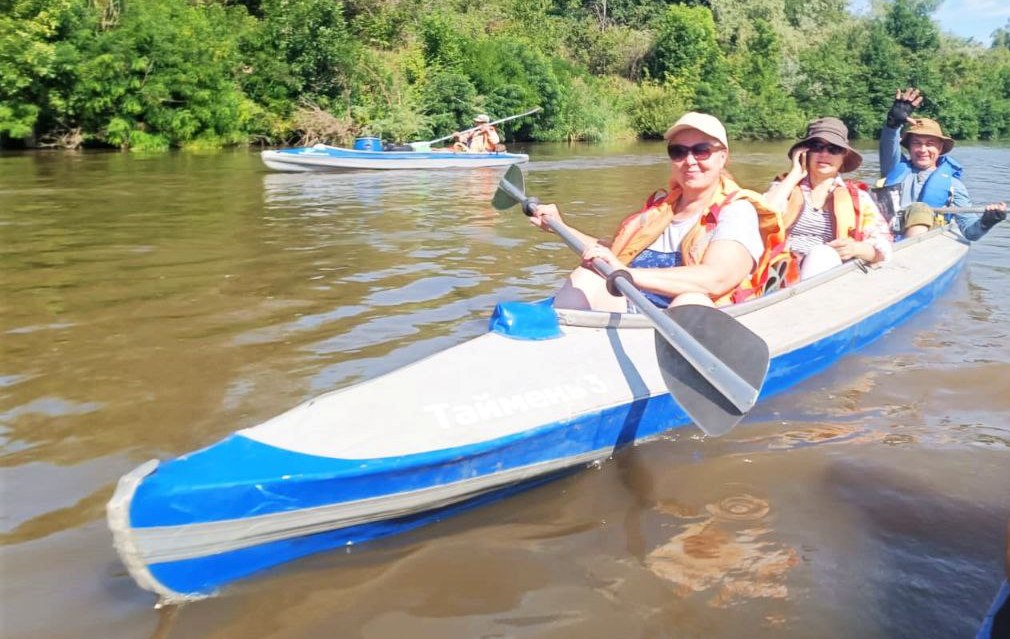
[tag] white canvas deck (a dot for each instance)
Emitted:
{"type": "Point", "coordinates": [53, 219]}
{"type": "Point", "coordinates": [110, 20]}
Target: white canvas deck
{"type": "Point", "coordinates": [494, 386]}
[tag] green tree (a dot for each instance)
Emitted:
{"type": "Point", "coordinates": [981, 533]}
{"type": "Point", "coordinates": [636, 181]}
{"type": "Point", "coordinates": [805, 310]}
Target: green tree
{"type": "Point", "coordinates": [311, 38]}
{"type": "Point", "coordinates": [164, 76]}
{"type": "Point", "coordinates": [685, 44]}
{"type": "Point", "coordinates": [767, 110]}
{"type": "Point", "coordinates": [33, 38]}
{"type": "Point", "coordinates": [1001, 37]}
{"type": "Point", "coordinates": [910, 24]}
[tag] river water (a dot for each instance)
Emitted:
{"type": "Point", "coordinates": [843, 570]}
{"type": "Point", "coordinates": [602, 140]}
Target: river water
{"type": "Point", "coordinates": [153, 304]}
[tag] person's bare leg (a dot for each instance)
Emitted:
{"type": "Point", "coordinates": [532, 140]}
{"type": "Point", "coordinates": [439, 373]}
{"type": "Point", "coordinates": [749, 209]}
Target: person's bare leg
{"type": "Point", "coordinates": [586, 290]}
{"type": "Point", "coordinates": [821, 258]}
{"type": "Point", "coordinates": [699, 299]}
{"type": "Point", "coordinates": [916, 229]}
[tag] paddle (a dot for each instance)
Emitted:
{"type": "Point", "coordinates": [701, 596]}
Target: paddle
{"type": "Point", "coordinates": [712, 364]}
{"type": "Point", "coordinates": [426, 146]}
{"type": "Point", "coordinates": [960, 209]}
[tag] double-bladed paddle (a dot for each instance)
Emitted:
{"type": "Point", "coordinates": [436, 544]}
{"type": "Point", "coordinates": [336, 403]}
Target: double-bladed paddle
{"type": "Point", "coordinates": [712, 364]}
{"type": "Point", "coordinates": [426, 146]}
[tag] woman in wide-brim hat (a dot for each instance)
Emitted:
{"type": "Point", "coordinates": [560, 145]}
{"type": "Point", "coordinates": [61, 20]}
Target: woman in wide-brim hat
{"type": "Point", "coordinates": [829, 220]}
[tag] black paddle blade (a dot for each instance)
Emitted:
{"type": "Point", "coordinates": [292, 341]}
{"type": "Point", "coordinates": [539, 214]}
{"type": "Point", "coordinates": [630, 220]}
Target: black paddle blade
{"type": "Point", "coordinates": [502, 198]}
{"type": "Point", "coordinates": [739, 348]}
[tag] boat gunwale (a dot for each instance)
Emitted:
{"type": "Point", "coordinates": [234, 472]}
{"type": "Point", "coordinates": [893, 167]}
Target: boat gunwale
{"type": "Point", "coordinates": [607, 319]}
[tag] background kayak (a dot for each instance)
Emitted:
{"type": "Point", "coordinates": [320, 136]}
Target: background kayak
{"type": "Point", "coordinates": [321, 157]}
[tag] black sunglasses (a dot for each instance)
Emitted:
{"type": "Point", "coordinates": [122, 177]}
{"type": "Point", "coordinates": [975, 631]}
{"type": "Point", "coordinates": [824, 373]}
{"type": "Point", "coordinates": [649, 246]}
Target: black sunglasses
{"type": "Point", "coordinates": [817, 147]}
{"type": "Point", "coordinates": [701, 151]}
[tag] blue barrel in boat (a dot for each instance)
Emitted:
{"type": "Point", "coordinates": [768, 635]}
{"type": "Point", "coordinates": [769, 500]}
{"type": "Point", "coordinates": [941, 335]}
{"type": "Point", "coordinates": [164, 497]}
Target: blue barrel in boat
{"type": "Point", "coordinates": [367, 144]}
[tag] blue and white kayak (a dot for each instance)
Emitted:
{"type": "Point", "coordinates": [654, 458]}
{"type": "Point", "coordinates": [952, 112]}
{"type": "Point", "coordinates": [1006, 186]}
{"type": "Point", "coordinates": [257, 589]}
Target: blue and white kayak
{"type": "Point", "coordinates": [998, 613]}
{"type": "Point", "coordinates": [475, 422]}
{"type": "Point", "coordinates": [323, 158]}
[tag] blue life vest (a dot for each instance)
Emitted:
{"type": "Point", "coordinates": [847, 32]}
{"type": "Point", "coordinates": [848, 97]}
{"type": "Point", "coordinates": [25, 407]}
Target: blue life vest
{"type": "Point", "coordinates": [937, 189]}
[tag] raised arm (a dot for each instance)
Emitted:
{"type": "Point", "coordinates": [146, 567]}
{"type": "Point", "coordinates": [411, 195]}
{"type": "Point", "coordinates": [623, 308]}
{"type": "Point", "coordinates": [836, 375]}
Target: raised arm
{"type": "Point", "coordinates": [890, 136]}
{"type": "Point", "coordinates": [778, 195]}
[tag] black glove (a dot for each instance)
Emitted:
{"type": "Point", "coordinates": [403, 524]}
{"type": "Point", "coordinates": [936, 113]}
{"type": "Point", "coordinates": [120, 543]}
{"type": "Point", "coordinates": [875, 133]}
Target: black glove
{"type": "Point", "coordinates": [899, 113]}
{"type": "Point", "coordinates": [991, 219]}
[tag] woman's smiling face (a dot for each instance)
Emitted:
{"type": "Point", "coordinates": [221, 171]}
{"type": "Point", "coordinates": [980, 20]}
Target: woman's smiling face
{"type": "Point", "coordinates": [692, 173]}
{"type": "Point", "coordinates": [823, 161]}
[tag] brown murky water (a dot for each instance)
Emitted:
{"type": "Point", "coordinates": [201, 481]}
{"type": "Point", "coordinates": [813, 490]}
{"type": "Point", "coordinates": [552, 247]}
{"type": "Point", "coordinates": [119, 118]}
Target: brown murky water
{"type": "Point", "coordinates": [152, 305]}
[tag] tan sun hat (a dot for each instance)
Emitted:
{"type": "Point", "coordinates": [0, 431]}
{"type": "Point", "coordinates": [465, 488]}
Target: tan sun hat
{"type": "Point", "coordinates": [832, 131]}
{"type": "Point", "coordinates": [925, 126]}
{"type": "Point", "coordinates": [703, 122]}
{"type": "Point", "coordinates": [483, 118]}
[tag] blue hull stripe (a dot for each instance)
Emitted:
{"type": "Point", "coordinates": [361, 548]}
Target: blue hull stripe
{"type": "Point", "coordinates": [208, 485]}
{"type": "Point", "coordinates": [388, 155]}
{"type": "Point", "coordinates": [205, 575]}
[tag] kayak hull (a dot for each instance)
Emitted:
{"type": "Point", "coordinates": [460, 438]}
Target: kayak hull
{"type": "Point", "coordinates": [327, 158]}
{"type": "Point", "coordinates": [1000, 609]}
{"type": "Point", "coordinates": [470, 424]}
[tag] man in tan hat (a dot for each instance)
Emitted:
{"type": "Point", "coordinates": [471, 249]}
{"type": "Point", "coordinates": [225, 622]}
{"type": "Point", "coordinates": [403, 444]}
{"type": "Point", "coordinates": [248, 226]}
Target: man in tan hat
{"type": "Point", "coordinates": [928, 177]}
{"type": "Point", "coordinates": [482, 138]}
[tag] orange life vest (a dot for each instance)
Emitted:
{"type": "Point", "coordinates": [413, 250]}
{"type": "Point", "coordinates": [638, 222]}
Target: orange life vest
{"type": "Point", "coordinates": [480, 141]}
{"type": "Point", "coordinates": [639, 230]}
{"type": "Point", "coordinates": [849, 221]}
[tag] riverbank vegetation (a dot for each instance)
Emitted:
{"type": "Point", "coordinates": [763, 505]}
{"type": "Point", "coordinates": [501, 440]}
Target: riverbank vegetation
{"type": "Point", "coordinates": [156, 74]}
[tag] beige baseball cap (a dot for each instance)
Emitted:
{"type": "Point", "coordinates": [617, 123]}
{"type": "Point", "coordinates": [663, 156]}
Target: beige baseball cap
{"type": "Point", "coordinates": [707, 124]}
{"type": "Point", "coordinates": [483, 117]}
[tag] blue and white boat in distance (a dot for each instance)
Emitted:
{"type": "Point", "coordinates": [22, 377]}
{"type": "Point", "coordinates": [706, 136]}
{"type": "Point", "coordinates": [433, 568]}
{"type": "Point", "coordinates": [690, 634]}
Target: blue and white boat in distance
{"type": "Point", "coordinates": [328, 158]}
{"type": "Point", "coordinates": [473, 423]}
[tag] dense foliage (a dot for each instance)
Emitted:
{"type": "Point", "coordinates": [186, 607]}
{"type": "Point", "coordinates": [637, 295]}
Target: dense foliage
{"type": "Point", "coordinates": [154, 74]}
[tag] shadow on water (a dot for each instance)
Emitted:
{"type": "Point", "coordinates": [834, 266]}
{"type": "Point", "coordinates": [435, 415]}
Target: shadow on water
{"type": "Point", "coordinates": [935, 553]}
{"type": "Point", "coordinates": [637, 387]}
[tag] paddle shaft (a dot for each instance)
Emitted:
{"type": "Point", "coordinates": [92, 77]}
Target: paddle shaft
{"type": "Point", "coordinates": [512, 117]}
{"type": "Point", "coordinates": [737, 390]}
{"type": "Point", "coordinates": [960, 209]}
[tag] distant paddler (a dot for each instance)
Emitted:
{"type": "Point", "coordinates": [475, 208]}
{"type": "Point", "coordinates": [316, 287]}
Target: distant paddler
{"type": "Point", "coordinates": [480, 138]}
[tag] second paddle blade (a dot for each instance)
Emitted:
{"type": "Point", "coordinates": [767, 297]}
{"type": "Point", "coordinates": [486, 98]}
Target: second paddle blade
{"type": "Point", "coordinates": [502, 198]}
{"type": "Point", "coordinates": [734, 344]}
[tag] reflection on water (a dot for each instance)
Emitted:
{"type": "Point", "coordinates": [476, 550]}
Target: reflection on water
{"type": "Point", "coordinates": [371, 192]}
{"type": "Point", "coordinates": [153, 305]}
{"type": "Point", "coordinates": [731, 565]}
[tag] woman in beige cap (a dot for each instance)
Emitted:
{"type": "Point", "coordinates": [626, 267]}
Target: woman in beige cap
{"type": "Point", "coordinates": [698, 244]}
{"type": "Point", "coordinates": [828, 220]}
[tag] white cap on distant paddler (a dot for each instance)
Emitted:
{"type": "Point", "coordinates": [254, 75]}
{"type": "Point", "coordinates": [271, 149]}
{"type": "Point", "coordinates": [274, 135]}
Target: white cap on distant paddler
{"type": "Point", "coordinates": [483, 117]}
{"type": "Point", "coordinates": [707, 124]}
